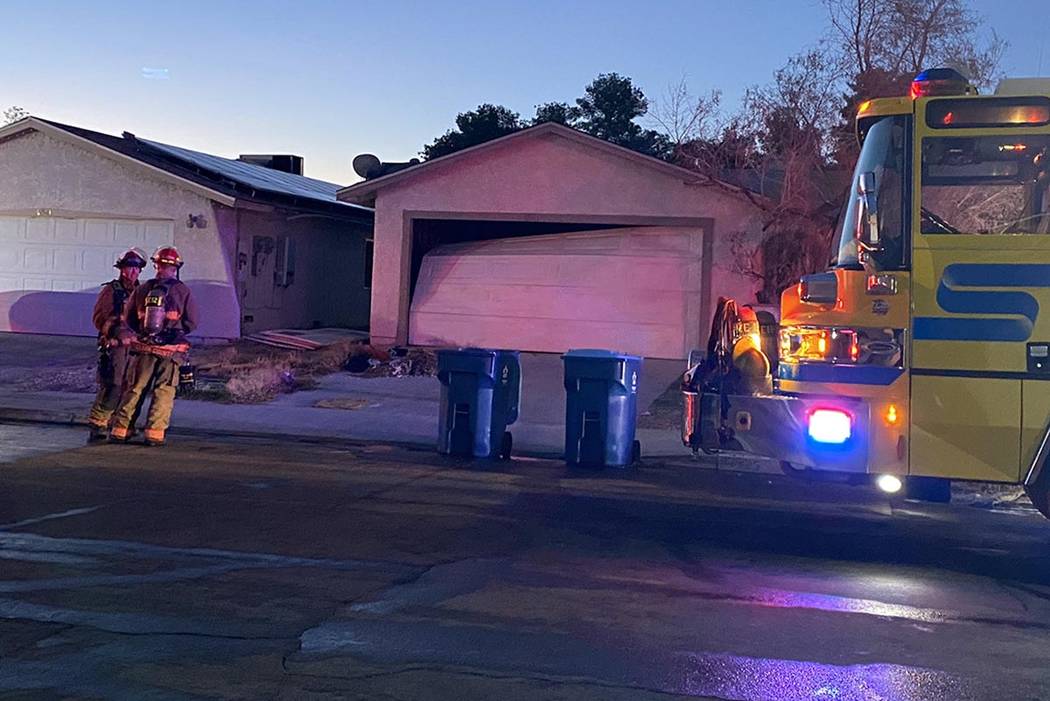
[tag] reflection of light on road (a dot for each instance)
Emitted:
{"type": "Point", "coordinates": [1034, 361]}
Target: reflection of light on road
{"type": "Point", "coordinates": [827, 602]}
{"type": "Point", "coordinates": [761, 679]}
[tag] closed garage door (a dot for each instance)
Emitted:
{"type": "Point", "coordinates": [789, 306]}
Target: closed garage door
{"type": "Point", "coordinates": [637, 290]}
{"type": "Point", "coordinates": [51, 268]}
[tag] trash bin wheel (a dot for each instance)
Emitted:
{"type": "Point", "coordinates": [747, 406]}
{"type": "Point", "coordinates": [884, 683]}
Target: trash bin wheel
{"type": "Point", "coordinates": [636, 451]}
{"type": "Point", "coordinates": [506, 445]}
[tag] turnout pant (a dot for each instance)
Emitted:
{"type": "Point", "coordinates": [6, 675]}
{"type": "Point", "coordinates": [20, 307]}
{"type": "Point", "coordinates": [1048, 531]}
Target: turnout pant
{"type": "Point", "coordinates": [146, 369]}
{"type": "Point", "coordinates": [112, 366]}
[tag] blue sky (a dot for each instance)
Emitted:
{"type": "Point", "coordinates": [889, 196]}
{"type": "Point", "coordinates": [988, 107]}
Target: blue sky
{"type": "Point", "coordinates": [329, 80]}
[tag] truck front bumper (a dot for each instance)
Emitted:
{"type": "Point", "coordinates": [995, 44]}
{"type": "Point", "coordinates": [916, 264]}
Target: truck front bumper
{"type": "Point", "coordinates": [776, 426]}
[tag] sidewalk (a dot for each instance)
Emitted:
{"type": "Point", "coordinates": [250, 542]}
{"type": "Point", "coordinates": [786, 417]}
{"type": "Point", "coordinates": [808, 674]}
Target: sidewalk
{"type": "Point", "coordinates": [397, 410]}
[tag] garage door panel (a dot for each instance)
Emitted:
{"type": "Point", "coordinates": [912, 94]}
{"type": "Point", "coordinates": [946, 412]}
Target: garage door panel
{"type": "Point", "coordinates": [52, 268]}
{"type": "Point", "coordinates": [38, 260]}
{"type": "Point", "coordinates": [98, 231]}
{"type": "Point", "coordinates": [128, 231]}
{"type": "Point", "coordinates": [11, 230]}
{"type": "Point", "coordinates": [39, 230]}
{"type": "Point", "coordinates": [69, 259]}
{"type": "Point", "coordinates": [156, 234]}
{"type": "Point", "coordinates": [66, 285]}
{"type": "Point", "coordinates": [553, 301]}
{"type": "Point", "coordinates": [582, 271]}
{"type": "Point", "coordinates": [553, 336]}
{"type": "Point", "coordinates": [10, 257]}
{"type": "Point", "coordinates": [68, 231]}
{"type": "Point", "coordinates": [632, 290]}
{"type": "Point", "coordinates": [94, 259]}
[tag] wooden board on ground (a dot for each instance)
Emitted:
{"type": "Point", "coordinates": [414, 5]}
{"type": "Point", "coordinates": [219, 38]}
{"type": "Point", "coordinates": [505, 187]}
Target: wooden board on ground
{"type": "Point", "coordinates": [306, 339]}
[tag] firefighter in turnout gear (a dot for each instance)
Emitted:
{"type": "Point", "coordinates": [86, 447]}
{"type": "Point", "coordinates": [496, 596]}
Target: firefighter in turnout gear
{"type": "Point", "coordinates": [114, 339]}
{"type": "Point", "coordinates": [161, 314]}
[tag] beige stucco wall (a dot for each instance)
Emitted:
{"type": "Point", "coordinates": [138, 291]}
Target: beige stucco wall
{"type": "Point", "coordinates": [546, 175]}
{"type": "Point", "coordinates": [38, 171]}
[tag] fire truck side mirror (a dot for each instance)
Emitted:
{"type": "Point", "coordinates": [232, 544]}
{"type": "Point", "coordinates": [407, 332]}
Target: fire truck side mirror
{"type": "Point", "coordinates": [867, 231]}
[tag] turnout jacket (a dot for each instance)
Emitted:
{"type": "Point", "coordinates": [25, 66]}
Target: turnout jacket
{"type": "Point", "coordinates": [111, 308]}
{"type": "Point", "coordinates": [181, 316]}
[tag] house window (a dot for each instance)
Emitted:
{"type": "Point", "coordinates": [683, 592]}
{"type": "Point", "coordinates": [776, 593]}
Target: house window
{"type": "Point", "coordinates": [369, 255]}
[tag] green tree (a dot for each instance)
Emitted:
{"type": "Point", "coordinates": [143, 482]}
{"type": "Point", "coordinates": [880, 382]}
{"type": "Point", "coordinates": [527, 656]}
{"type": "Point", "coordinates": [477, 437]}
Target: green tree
{"type": "Point", "coordinates": [13, 114]}
{"type": "Point", "coordinates": [483, 124]}
{"type": "Point", "coordinates": [557, 112]}
{"type": "Point", "coordinates": [608, 110]}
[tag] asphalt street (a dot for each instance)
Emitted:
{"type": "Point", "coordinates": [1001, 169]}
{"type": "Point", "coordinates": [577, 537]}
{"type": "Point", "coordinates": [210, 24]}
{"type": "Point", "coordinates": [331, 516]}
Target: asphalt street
{"type": "Point", "coordinates": [248, 568]}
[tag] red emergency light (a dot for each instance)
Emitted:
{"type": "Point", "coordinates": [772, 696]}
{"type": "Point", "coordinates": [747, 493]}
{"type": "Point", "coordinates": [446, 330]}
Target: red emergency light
{"type": "Point", "coordinates": [939, 81]}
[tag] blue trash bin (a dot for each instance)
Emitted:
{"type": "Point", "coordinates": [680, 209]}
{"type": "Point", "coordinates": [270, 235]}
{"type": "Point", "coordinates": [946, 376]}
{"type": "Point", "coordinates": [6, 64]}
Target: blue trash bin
{"type": "Point", "coordinates": [601, 408]}
{"type": "Point", "coordinates": [480, 394]}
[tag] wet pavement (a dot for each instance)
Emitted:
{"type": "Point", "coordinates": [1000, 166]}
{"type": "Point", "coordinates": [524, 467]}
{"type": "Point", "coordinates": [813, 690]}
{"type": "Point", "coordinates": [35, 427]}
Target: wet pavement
{"type": "Point", "coordinates": [254, 569]}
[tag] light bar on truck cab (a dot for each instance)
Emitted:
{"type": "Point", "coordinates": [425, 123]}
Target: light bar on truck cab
{"type": "Point", "coordinates": [939, 81]}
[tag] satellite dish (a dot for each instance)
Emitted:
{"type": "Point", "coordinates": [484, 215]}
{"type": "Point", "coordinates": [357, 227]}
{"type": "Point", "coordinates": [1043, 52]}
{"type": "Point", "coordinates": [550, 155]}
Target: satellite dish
{"type": "Point", "coordinates": [366, 163]}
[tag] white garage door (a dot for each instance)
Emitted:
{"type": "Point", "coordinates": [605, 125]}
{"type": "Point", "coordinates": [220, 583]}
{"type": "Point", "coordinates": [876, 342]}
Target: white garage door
{"type": "Point", "coordinates": [51, 268]}
{"type": "Point", "coordinates": [635, 290]}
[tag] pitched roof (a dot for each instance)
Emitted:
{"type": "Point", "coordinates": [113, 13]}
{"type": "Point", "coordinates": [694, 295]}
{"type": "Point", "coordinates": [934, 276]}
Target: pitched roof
{"type": "Point", "coordinates": [230, 179]}
{"type": "Point", "coordinates": [365, 190]}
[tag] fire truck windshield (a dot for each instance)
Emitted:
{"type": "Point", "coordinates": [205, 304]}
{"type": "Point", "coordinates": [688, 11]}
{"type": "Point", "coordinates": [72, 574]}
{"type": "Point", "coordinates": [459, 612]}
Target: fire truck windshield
{"type": "Point", "coordinates": [874, 222]}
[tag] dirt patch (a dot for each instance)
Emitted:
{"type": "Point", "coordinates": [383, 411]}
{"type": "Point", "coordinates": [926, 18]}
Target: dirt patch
{"type": "Point", "coordinates": [73, 378]}
{"type": "Point", "coordinates": [347, 403]}
{"type": "Point", "coordinates": [246, 372]}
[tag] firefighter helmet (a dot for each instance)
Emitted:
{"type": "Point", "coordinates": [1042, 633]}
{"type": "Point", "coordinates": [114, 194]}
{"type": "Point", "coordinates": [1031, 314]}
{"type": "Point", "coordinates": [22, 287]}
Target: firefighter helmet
{"type": "Point", "coordinates": [167, 255]}
{"type": "Point", "coordinates": [131, 258]}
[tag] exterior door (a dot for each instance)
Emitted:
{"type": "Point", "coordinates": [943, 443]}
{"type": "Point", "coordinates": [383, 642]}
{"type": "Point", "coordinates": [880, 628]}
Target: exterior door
{"type": "Point", "coordinates": [981, 296]}
{"type": "Point", "coordinates": [257, 279]}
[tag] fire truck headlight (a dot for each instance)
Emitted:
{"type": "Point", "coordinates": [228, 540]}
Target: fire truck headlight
{"type": "Point", "coordinates": [891, 484]}
{"type": "Point", "coordinates": [832, 426]}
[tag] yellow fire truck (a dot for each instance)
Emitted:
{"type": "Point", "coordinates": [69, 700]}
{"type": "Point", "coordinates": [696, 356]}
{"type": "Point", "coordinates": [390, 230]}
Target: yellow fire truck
{"type": "Point", "coordinates": [923, 354]}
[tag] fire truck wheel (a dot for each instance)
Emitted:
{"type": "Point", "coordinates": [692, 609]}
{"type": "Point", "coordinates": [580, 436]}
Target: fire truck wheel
{"type": "Point", "coordinates": [932, 489]}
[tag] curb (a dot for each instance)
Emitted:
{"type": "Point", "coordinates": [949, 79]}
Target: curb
{"type": "Point", "coordinates": [41, 416]}
{"type": "Point", "coordinates": [65, 418]}
{"type": "Point", "coordinates": [62, 418]}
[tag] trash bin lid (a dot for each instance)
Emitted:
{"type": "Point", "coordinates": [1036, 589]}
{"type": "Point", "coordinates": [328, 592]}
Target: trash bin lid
{"type": "Point", "coordinates": [599, 354]}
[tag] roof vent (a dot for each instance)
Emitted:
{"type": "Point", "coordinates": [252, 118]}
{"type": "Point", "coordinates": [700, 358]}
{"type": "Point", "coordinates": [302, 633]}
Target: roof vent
{"type": "Point", "coordinates": [283, 163]}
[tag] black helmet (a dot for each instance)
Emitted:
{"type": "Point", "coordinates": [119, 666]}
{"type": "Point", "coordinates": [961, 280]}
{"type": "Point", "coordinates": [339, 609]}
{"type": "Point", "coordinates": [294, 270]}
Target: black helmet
{"type": "Point", "coordinates": [131, 258]}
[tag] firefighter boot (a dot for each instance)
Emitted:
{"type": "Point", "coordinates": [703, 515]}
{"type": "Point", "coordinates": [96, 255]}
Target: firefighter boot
{"type": "Point", "coordinates": [97, 434]}
{"type": "Point", "coordinates": [154, 438]}
{"type": "Point", "coordinates": [118, 434]}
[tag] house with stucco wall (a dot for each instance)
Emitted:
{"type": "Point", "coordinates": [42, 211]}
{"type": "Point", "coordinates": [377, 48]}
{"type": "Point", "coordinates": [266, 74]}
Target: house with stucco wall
{"type": "Point", "coordinates": [549, 239]}
{"type": "Point", "coordinates": [265, 247]}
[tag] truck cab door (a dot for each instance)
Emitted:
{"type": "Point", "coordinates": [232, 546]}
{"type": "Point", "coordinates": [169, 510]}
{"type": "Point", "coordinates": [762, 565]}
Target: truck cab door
{"type": "Point", "coordinates": [980, 397]}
